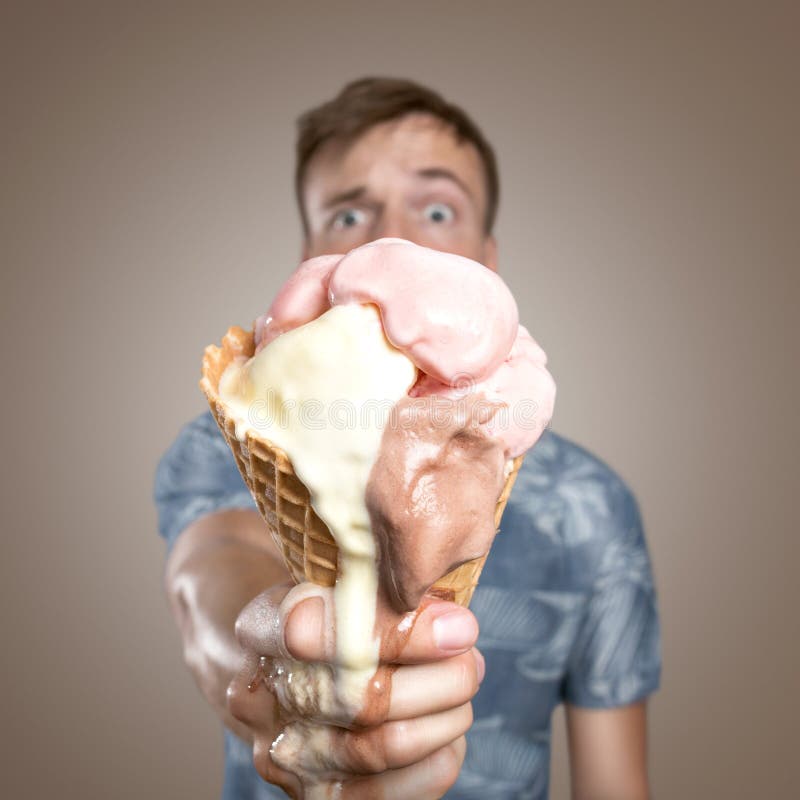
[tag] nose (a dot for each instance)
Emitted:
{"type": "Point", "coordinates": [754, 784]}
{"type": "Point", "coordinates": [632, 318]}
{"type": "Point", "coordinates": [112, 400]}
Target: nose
{"type": "Point", "coordinates": [393, 224]}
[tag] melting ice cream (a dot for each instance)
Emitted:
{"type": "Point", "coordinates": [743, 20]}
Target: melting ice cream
{"type": "Point", "coordinates": [400, 384]}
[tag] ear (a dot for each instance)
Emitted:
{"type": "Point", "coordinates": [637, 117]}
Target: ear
{"type": "Point", "coordinates": [490, 252]}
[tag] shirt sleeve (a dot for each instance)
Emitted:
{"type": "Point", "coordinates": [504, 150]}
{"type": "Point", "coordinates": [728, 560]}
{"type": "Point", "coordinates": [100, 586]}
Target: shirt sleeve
{"type": "Point", "coordinates": [616, 658]}
{"type": "Point", "coordinates": [197, 476]}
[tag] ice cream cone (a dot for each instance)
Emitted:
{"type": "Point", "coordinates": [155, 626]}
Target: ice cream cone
{"type": "Point", "coordinates": [308, 548]}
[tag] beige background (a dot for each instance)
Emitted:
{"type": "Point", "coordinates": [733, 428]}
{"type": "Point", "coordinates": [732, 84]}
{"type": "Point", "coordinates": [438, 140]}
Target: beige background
{"type": "Point", "coordinates": [649, 228]}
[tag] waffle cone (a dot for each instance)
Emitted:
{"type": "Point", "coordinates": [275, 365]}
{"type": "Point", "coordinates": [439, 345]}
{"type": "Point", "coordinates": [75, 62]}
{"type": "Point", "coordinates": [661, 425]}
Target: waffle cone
{"type": "Point", "coordinates": [308, 548]}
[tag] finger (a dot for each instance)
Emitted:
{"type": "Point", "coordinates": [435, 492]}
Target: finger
{"type": "Point", "coordinates": [323, 749]}
{"type": "Point", "coordinates": [271, 772]}
{"type": "Point", "coordinates": [410, 691]}
{"type": "Point", "coordinates": [247, 700]}
{"type": "Point", "coordinates": [435, 631]}
{"type": "Point", "coordinates": [261, 626]}
{"type": "Point", "coordinates": [265, 685]}
{"type": "Point", "coordinates": [423, 689]}
{"type": "Point", "coordinates": [258, 625]}
{"type": "Point", "coordinates": [428, 779]}
{"type": "Point", "coordinates": [400, 743]}
{"type": "Point", "coordinates": [438, 629]}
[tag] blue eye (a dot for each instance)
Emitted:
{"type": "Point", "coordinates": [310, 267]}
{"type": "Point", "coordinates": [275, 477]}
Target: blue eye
{"type": "Point", "coordinates": [439, 213]}
{"type": "Point", "coordinates": [348, 218]}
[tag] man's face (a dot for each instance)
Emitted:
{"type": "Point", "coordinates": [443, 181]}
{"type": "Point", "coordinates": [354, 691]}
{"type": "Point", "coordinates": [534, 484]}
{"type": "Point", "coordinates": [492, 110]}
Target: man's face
{"type": "Point", "coordinates": [408, 178]}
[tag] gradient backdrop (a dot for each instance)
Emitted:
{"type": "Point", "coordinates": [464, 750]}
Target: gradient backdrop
{"type": "Point", "coordinates": [649, 228]}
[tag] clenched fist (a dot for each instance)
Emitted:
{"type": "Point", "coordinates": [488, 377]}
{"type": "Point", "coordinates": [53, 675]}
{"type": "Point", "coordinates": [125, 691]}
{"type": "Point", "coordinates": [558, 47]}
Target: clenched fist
{"type": "Point", "coordinates": [405, 741]}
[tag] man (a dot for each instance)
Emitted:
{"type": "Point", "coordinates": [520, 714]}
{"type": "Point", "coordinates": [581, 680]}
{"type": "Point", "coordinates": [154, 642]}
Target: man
{"type": "Point", "coordinates": [565, 607]}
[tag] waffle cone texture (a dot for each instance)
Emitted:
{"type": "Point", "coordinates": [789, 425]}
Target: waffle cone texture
{"type": "Point", "coordinates": [308, 548]}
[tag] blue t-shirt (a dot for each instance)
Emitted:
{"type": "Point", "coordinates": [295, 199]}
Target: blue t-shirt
{"type": "Point", "coordinates": [566, 605]}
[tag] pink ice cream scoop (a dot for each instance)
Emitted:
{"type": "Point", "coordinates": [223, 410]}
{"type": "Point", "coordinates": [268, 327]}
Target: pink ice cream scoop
{"type": "Point", "coordinates": [302, 298]}
{"type": "Point", "coordinates": [454, 318]}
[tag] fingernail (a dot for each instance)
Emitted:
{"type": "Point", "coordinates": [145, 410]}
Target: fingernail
{"type": "Point", "coordinates": [455, 630]}
{"type": "Point", "coordinates": [481, 664]}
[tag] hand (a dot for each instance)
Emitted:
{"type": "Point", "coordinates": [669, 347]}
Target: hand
{"type": "Point", "coordinates": [408, 740]}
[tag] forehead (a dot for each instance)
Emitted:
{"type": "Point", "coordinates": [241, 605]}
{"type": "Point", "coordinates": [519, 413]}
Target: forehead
{"type": "Point", "coordinates": [405, 145]}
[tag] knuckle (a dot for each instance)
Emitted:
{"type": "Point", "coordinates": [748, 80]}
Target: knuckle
{"type": "Point", "coordinates": [269, 771]}
{"type": "Point", "coordinates": [469, 717]}
{"type": "Point", "coordinates": [467, 676]}
{"type": "Point", "coordinates": [244, 624]}
{"type": "Point", "coordinates": [239, 628]}
{"type": "Point", "coordinates": [459, 747]}
{"type": "Point", "coordinates": [261, 758]}
{"type": "Point", "coordinates": [446, 768]}
{"type": "Point", "coordinates": [398, 738]}
{"type": "Point", "coordinates": [238, 699]}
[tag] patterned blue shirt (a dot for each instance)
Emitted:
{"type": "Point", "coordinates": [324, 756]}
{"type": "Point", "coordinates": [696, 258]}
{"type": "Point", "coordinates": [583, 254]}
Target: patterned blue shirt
{"type": "Point", "coordinates": [566, 605]}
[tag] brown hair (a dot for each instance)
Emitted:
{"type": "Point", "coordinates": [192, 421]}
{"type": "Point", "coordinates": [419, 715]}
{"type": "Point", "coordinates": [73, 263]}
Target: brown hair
{"type": "Point", "coordinates": [369, 101]}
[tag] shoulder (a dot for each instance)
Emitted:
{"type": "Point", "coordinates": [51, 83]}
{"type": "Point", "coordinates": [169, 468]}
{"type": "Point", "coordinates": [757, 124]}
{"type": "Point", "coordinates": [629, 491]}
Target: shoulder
{"type": "Point", "coordinates": [198, 451]}
{"type": "Point", "coordinates": [593, 522]}
{"type": "Point", "coordinates": [194, 440]}
{"type": "Point", "coordinates": [571, 491]}
{"type": "Point", "coordinates": [579, 504]}
{"type": "Point", "coordinates": [196, 475]}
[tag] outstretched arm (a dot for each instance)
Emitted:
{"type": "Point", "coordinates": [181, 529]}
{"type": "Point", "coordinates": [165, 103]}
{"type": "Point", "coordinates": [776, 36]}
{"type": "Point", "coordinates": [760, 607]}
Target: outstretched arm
{"type": "Point", "coordinates": [412, 745]}
{"type": "Point", "coordinates": [218, 565]}
{"type": "Point", "coordinates": [608, 752]}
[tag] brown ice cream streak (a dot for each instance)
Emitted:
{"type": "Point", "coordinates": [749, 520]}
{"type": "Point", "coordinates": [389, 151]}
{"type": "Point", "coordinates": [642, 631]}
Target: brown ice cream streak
{"type": "Point", "coordinates": [432, 492]}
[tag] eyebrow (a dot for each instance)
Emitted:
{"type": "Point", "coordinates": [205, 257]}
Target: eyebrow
{"type": "Point", "coordinates": [344, 197]}
{"type": "Point", "coordinates": [431, 173]}
{"type": "Point", "coordinates": [441, 172]}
